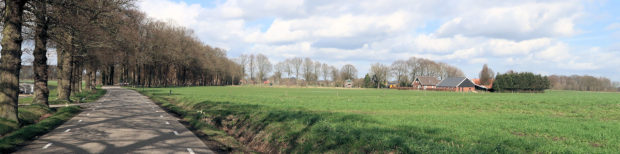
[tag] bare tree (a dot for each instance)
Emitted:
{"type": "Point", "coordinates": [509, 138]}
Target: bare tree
{"type": "Point", "coordinates": [486, 75]}
{"type": "Point", "coordinates": [400, 70]}
{"type": "Point", "coordinates": [348, 72]}
{"type": "Point", "coordinates": [317, 71]}
{"type": "Point", "coordinates": [325, 70]}
{"type": "Point", "coordinates": [308, 70]}
{"type": "Point", "coordinates": [279, 70]}
{"type": "Point", "coordinates": [252, 66]}
{"type": "Point", "coordinates": [335, 75]}
{"type": "Point", "coordinates": [296, 63]}
{"type": "Point", "coordinates": [380, 72]}
{"type": "Point", "coordinates": [243, 62]}
{"type": "Point", "coordinates": [263, 66]}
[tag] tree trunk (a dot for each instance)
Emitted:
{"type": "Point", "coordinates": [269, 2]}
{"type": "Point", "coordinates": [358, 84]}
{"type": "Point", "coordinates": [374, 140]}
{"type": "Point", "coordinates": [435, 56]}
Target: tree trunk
{"type": "Point", "coordinates": [10, 62]}
{"type": "Point", "coordinates": [93, 78]}
{"type": "Point", "coordinates": [64, 84]}
{"type": "Point", "coordinates": [87, 79]}
{"type": "Point", "coordinates": [75, 78]}
{"type": "Point", "coordinates": [41, 92]}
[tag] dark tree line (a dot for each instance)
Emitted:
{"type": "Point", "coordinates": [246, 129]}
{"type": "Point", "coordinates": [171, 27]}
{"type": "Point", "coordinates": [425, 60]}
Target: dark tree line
{"type": "Point", "coordinates": [101, 42]}
{"type": "Point", "coordinates": [582, 83]}
{"type": "Point", "coordinates": [520, 82]}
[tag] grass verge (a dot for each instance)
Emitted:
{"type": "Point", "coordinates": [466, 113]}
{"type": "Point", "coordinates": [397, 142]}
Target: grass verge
{"type": "Point", "coordinates": [217, 140]}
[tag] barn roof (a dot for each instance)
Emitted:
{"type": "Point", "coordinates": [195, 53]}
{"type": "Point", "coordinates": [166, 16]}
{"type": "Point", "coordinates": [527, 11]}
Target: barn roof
{"type": "Point", "coordinates": [427, 80]}
{"type": "Point", "coordinates": [456, 82]}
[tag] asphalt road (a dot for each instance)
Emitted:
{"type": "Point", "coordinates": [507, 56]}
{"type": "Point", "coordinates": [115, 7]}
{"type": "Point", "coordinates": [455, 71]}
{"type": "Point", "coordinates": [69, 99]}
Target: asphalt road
{"type": "Point", "coordinates": [122, 121]}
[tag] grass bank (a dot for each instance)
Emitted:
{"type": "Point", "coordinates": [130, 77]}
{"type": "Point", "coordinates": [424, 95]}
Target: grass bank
{"type": "Point", "coordinates": [367, 120]}
{"type": "Point", "coordinates": [217, 139]}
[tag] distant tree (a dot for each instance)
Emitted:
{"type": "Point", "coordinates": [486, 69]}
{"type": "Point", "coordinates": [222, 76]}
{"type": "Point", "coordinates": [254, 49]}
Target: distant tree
{"type": "Point", "coordinates": [279, 70]}
{"type": "Point", "coordinates": [425, 67]}
{"type": "Point", "coordinates": [582, 83]}
{"type": "Point", "coordinates": [317, 71]}
{"type": "Point", "coordinates": [325, 70]}
{"type": "Point", "coordinates": [400, 70]}
{"type": "Point", "coordinates": [368, 83]}
{"type": "Point", "coordinates": [252, 66]}
{"type": "Point", "coordinates": [348, 72]}
{"type": "Point", "coordinates": [486, 75]}
{"type": "Point", "coordinates": [336, 76]}
{"type": "Point", "coordinates": [308, 70]}
{"type": "Point", "coordinates": [381, 72]}
{"type": "Point", "coordinates": [520, 82]}
{"type": "Point", "coordinates": [263, 66]}
{"type": "Point", "coordinates": [296, 65]}
{"type": "Point", "coordinates": [243, 62]}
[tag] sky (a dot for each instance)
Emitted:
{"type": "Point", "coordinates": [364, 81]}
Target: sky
{"type": "Point", "coordinates": [562, 37]}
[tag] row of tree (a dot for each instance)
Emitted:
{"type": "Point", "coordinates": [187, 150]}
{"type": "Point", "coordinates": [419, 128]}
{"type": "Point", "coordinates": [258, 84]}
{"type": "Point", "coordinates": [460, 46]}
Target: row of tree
{"type": "Point", "coordinates": [405, 71]}
{"type": "Point", "coordinates": [256, 68]}
{"type": "Point", "coordinates": [583, 83]}
{"type": "Point", "coordinates": [101, 42]}
{"type": "Point", "coordinates": [293, 71]}
{"type": "Point", "coordinates": [520, 82]}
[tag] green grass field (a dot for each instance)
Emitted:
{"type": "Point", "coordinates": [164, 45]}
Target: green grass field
{"type": "Point", "coordinates": [52, 85]}
{"type": "Point", "coordinates": [369, 120]}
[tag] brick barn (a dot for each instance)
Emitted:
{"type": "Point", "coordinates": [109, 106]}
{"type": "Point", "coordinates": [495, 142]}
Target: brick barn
{"type": "Point", "coordinates": [425, 82]}
{"type": "Point", "coordinates": [459, 84]}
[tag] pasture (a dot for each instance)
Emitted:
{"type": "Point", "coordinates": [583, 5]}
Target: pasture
{"type": "Point", "coordinates": [370, 120]}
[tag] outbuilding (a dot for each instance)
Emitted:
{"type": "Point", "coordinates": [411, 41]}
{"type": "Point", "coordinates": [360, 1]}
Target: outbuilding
{"type": "Point", "coordinates": [425, 82]}
{"type": "Point", "coordinates": [461, 84]}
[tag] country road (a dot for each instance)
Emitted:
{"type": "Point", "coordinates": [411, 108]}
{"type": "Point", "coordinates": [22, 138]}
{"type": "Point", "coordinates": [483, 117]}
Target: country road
{"type": "Point", "coordinates": [122, 121]}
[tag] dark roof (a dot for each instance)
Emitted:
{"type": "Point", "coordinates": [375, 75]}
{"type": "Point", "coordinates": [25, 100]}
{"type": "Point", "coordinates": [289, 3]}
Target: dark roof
{"type": "Point", "coordinates": [427, 80]}
{"type": "Point", "coordinates": [456, 82]}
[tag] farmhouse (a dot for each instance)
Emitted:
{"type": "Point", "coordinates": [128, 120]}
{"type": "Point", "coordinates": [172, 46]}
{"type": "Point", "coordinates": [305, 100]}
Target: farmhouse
{"type": "Point", "coordinates": [456, 84]}
{"type": "Point", "coordinates": [425, 82]}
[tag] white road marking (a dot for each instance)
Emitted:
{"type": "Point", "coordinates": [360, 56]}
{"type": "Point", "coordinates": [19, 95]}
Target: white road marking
{"type": "Point", "coordinates": [176, 133]}
{"type": "Point", "coordinates": [47, 145]}
{"type": "Point", "coordinates": [167, 123]}
{"type": "Point", "coordinates": [190, 151]}
{"type": "Point", "coordinates": [67, 130]}
{"type": "Point", "coordinates": [80, 120]}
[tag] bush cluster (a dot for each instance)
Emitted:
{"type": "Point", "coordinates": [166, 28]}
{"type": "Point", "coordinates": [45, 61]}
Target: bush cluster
{"type": "Point", "coordinates": [521, 82]}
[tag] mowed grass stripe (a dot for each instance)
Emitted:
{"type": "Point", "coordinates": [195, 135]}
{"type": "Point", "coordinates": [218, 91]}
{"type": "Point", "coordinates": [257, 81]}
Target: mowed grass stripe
{"type": "Point", "coordinates": [366, 120]}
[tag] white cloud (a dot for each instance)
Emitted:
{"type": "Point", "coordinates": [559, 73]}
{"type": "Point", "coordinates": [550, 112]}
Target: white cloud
{"type": "Point", "coordinates": [501, 47]}
{"type": "Point", "coordinates": [181, 13]}
{"type": "Point", "coordinates": [513, 34]}
{"type": "Point", "coordinates": [518, 21]}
